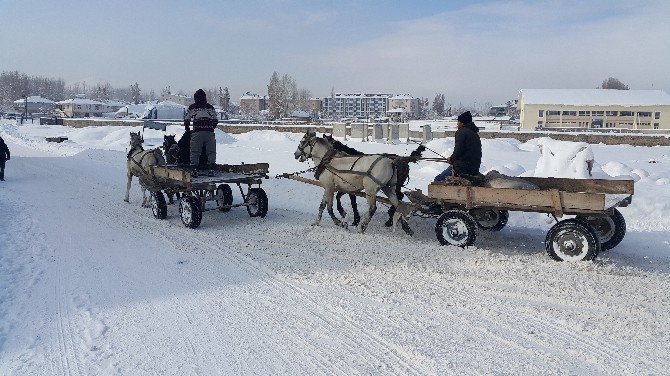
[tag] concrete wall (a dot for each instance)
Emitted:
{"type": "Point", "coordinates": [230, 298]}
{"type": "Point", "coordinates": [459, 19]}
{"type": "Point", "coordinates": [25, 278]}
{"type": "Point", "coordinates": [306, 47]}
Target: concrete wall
{"type": "Point", "coordinates": [592, 138]}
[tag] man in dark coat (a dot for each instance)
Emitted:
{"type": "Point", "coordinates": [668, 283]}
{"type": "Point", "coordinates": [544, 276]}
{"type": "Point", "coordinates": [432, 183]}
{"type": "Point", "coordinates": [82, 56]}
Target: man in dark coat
{"type": "Point", "coordinates": [467, 155]}
{"type": "Point", "coordinates": [204, 120]}
{"type": "Point", "coordinates": [4, 157]}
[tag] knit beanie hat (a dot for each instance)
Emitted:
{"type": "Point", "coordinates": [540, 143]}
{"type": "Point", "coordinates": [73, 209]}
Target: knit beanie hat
{"type": "Point", "coordinates": [200, 96]}
{"type": "Point", "coordinates": [465, 117]}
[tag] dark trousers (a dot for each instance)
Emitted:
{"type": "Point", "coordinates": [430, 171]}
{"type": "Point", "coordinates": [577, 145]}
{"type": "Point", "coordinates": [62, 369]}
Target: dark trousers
{"type": "Point", "coordinates": [2, 170]}
{"type": "Point", "coordinates": [446, 173]}
{"type": "Point", "coordinates": [198, 141]}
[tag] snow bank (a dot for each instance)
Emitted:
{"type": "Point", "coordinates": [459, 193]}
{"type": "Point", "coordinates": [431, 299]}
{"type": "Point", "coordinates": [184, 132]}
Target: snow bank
{"type": "Point", "coordinates": [563, 159]}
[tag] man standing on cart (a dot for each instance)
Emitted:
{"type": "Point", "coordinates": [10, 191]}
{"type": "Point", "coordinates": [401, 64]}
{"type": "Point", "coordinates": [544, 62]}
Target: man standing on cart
{"type": "Point", "coordinates": [204, 120]}
{"type": "Point", "coordinates": [467, 155]}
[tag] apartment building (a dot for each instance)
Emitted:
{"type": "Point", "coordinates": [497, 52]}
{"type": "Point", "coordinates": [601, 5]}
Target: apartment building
{"type": "Point", "coordinates": [594, 109]}
{"type": "Point", "coordinates": [355, 106]}
{"type": "Point", "coordinates": [409, 105]}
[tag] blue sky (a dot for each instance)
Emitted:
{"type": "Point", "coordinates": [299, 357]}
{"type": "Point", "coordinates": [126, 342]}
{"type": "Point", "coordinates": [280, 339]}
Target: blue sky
{"type": "Point", "coordinates": [482, 51]}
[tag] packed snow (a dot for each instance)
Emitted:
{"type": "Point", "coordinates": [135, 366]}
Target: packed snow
{"type": "Point", "coordinates": [90, 284]}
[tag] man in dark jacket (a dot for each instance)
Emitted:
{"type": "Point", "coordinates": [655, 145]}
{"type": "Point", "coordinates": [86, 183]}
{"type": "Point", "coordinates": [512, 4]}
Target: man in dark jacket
{"type": "Point", "coordinates": [4, 157]}
{"type": "Point", "coordinates": [467, 155]}
{"type": "Point", "coordinates": [204, 120]}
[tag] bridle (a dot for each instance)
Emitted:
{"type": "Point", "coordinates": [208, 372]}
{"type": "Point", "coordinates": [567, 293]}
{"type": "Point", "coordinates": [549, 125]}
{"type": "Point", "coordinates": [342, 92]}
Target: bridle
{"type": "Point", "coordinates": [303, 146]}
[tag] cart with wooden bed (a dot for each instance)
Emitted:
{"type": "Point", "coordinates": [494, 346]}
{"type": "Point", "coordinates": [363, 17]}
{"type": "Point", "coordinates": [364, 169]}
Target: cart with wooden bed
{"type": "Point", "coordinates": [195, 191]}
{"type": "Point", "coordinates": [598, 225]}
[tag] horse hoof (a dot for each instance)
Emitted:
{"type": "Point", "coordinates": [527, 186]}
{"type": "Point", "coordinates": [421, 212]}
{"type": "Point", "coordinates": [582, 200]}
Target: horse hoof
{"type": "Point", "coordinates": [388, 223]}
{"type": "Point", "coordinates": [317, 223]}
{"type": "Point", "coordinates": [126, 200]}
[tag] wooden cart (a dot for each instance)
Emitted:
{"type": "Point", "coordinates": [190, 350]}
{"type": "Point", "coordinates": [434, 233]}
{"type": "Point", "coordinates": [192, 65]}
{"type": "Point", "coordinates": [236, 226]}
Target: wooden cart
{"type": "Point", "coordinates": [195, 192]}
{"type": "Point", "coordinates": [597, 224]}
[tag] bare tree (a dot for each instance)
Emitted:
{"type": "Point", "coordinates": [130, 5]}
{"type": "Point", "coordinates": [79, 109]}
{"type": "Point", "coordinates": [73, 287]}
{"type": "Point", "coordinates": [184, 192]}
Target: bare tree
{"type": "Point", "coordinates": [136, 93]}
{"type": "Point", "coordinates": [438, 104]}
{"type": "Point", "coordinates": [274, 94]}
{"type": "Point", "coordinates": [224, 98]}
{"type": "Point", "coordinates": [613, 83]}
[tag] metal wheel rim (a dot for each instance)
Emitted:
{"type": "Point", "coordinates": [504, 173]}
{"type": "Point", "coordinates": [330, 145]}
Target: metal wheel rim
{"type": "Point", "coordinates": [455, 230]}
{"type": "Point", "coordinates": [252, 200]}
{"type": "Point", "coordinates": [154, 204]}
{"type": "Point", "coordinates": [186, 212]}
{"type": "Point", "coordinates": [220, 200]}
{"type": "Point", "coordinates": [489, 219]}
{"type": "Point", "coordinates": [570, 245]}
{"type": "Point", "coordinates": [603, 226]}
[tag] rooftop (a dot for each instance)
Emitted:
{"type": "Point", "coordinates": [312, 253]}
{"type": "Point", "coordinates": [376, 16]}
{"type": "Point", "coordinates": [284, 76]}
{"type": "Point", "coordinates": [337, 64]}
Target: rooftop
{"type": "Point", "coordinates": [595, 97]}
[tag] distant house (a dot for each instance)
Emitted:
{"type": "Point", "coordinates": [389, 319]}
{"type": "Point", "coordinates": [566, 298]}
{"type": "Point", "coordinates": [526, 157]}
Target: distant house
{"type": "Point", "coordinates": [82, 108]}
{"type": "Point", "coordinates": [35, 104]}
{"type": "Point", "coordinates": [594, 108]}
{"type": "Point", "coordinates": [252, 103]}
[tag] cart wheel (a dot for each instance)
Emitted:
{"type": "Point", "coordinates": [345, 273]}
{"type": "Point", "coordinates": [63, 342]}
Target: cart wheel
{"type": "Point", "coordinates": [257, 201]}
{"type": "Point", "coordinates": [610, 230]}
{"type": "Point", "coordinates": [572, 240]}
{"type": "Point", "coordinates": [490, 219]}
{"type": "Point", "coordinates": [158, 205]}
{"type": "Point", "coordinates": [456, 227]}
{"type": "Point", "coordinates": [224, 197]}
{"type": "Point", "coordinates": [189, 209]}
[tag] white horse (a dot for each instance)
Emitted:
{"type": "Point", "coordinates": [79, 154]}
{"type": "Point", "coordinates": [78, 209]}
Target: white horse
{"type": "Point", "coordinates": [140, 162]}
{"type": "Point", "coordinates": [368, 173]}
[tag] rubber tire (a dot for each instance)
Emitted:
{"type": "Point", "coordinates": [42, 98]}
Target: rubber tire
{"type": "Point", "coordinates": [224, 190]}
{"type": "Point", "coordinates": [578, 229]}
{"type": "Point", "coordinates": [158, 205]}
{"type": "Point", "coordinates": [503, 217]}
{"type": "Point", "coordinates": [190, 205]}
{"type": "Point", "coordinates": [463, 220]}
{"type": "Point", "coordinates": [260, 200]}
{"type": "Point", "coordinates": [615, 220]}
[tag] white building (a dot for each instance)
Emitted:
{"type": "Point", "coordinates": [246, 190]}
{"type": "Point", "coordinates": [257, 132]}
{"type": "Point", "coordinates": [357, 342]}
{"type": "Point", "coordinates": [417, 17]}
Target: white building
{"type": "Point", "coordinates": [355, 106]}
{"type": "Point", "coordinates": [594, 108]}
{"type": "Point", "coordinates": [34, 104]}
{"type": "Point", "coordinates": [81, 108]}
{"type": "Point", "coordinates": [410, 106]}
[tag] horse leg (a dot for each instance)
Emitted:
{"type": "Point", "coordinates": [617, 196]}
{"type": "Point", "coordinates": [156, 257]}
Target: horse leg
{"type": "Point", "coordinates": [340, 209]}
{"type": "Point", "coordinates": [322, 206]}
{"type": "Point", "coordinates": [398, 211]}
{"type": "Point", "coordinates": [145, 200]}
{"type": "Point", "coordinates": [371, 198]}
{"type": "Point", "coordinates": [130, 177]}
{"type": "Point", "coordinates": [354, 208]}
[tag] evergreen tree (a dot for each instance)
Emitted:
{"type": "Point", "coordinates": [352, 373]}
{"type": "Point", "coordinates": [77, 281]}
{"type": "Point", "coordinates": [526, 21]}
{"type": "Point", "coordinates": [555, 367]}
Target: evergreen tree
{"type": "Point", "coordinates": [613, 83]}
{"type": "Point", "coordinates": [136, 93]}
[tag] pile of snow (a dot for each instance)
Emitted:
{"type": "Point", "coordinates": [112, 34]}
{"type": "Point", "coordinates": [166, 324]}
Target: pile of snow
{"type": "Point", "coordinates": [564, 159]}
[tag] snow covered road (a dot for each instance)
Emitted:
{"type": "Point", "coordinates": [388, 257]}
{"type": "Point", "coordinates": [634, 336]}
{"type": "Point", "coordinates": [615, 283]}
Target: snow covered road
{"type": "Point", "coordinates": [92, 285]}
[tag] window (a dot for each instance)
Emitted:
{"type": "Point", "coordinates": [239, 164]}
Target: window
{"type": "Point", "coordinates": [597, 123]}
{"type": "Point", "coordinates": [655, 125]}
{"type": "Point", "coordinates": [644, 114]}
{"type": "Point", "coordinates": [584, 113]}
{"type": "Point", "coordinates": [598, 113]}
{"type": "Point", "coordinates": [553, 113]}
{"type": "Point", "coordinates": [657, 115]}
{"type": "Point", "coordinates": [540, 113]}
{"type": "Point", "coordinates": [626, 113]}
{"type": "Point", "coordinates": [569, 113]}
{"type": "Point", "coordinates": [611, 113]}
{"type": "Point", "coordinates": [539, 124]}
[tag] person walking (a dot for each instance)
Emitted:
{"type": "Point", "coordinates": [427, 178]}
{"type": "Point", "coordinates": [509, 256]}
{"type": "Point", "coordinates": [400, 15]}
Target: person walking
{"type": "Point", "coordinates": [4, 157]}
{"type": "Point", "coordinates": [467, 155]}
{"type": "Point", "coordinates": [204, 119]}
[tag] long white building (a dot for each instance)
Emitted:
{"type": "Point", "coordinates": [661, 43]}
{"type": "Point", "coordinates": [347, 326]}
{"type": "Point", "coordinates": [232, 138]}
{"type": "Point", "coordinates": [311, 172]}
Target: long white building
{"type": "Point", "coordinates": [594, 108]}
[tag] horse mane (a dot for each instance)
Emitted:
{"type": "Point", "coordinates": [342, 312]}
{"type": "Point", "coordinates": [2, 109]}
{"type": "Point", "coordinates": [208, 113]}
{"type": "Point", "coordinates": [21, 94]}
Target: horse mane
{"type": "Point", "coordinates": [338, 146]}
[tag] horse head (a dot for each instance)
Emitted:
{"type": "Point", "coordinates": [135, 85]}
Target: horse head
{"type": "Point", "coordinates": [305, 146]}
{"type": "Point", "coordinates": [168, 140]}
{"type": "Point", "coordinates": [135, 139]}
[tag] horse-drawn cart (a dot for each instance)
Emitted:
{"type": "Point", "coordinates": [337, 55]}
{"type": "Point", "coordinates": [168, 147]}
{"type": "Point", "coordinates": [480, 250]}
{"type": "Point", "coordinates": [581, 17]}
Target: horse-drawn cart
{"type": "Point", "coordinates": [597, 224]}
{"type": "Point", "coordinates": [196, 191]}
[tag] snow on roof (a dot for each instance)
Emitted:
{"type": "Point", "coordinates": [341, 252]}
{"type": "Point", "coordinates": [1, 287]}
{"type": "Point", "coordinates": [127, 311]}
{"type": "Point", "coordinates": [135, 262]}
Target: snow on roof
{"type": "Point", "coordinates": [402, 96]}
{"type": "Point", "coordinates": [397, 110]}
{"type": "Point", "coordinates": [79, 101]}
{"type": "Point", "coordinates": [34, 99]}
{"type": "Point", "coordinates": [249, 95]}
{"type": "Point", "coordinates": [595, 97]}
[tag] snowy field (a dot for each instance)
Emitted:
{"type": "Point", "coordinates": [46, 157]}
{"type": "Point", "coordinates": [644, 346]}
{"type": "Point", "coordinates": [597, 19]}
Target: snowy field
{"type": "Point", "coordinates": [92, 285]}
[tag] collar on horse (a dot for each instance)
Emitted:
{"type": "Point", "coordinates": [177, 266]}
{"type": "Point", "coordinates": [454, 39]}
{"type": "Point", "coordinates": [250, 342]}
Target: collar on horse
{"type": "Point", "coordinates": [132, 150]}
